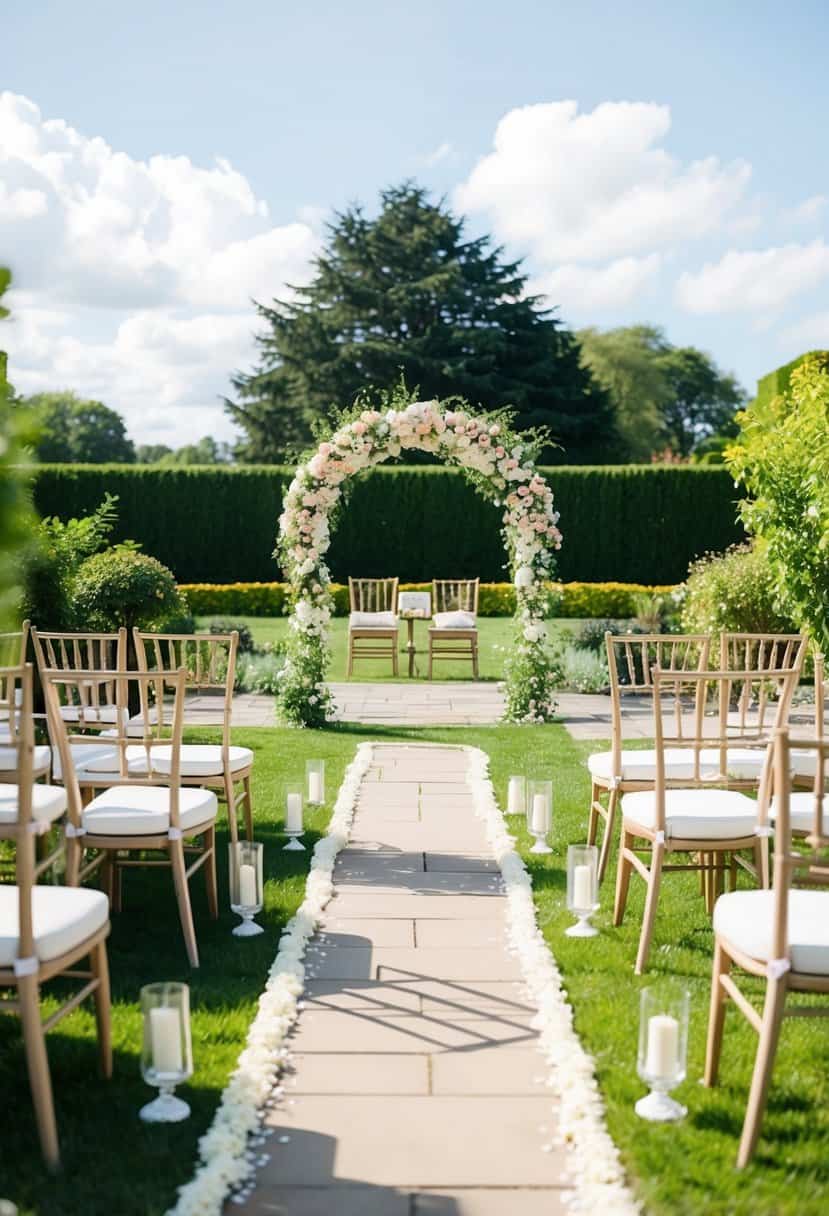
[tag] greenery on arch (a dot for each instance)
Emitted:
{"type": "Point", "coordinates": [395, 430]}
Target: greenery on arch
{"type": "Point", "coordinates": [501, 465]}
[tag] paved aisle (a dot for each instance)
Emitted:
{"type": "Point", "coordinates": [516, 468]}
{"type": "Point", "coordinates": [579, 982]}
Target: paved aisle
{"type": "Point", "coordinates": [417, 1086]}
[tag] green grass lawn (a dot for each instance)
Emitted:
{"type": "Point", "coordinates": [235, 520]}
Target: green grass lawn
{"type": "Point", "coordinates": [494, 636]}
{"type": "Point", "coordinates": [116, 1165]}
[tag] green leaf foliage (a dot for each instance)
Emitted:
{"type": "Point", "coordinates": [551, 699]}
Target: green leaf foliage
{"type": "Point", "coordinates": [734, 591]}
{"type": "Point", "coordinates": [407, 292]}
{"type": "Point", "coordinates": [124, 587]}
{"type": "Point", "coordinates": [71, 429]}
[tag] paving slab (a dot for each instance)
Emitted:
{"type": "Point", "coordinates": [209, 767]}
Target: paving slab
{"type": "Point", "coordinates": [415, 1084]}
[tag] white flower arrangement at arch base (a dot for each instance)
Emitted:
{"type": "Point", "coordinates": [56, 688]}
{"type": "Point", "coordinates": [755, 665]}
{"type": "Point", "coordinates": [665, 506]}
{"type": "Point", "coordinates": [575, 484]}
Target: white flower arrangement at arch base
{"type": "Point", "coordinates": [500, 464]}
{"type": "Point", "coordinates": [227, 1150]}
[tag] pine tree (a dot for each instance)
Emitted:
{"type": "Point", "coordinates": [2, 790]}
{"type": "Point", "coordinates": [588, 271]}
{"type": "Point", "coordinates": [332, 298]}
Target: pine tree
{"type": "Point", "coordinates": [405, 292]}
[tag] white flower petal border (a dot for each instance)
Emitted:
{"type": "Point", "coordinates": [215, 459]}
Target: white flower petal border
{"type": "Point", "coordinates": [226, 1150]}
{"type": "Point", "coordinates": [596, 1171]}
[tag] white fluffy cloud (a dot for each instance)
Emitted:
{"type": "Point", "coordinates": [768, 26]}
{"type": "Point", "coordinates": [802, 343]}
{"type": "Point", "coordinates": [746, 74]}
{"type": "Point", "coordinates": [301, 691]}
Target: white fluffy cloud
{"type": "Point", "coordinates": [584, 290]}
{"type": "Point", "coordinates": [755, 280]}
{"type": "Point", "coordinates": [568, 187]}
{"type": "Point", "coordinates": [134, 278]}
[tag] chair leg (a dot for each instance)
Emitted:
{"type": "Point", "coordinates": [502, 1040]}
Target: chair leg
{"type": "Point", "coordinates": [34, 1041]}
{"type": "Point", "coordinates": [716, 1014]}
{"type": "Point", "coordinates": [593, 817]}
{"type": "Point", "coordinates": [430, 661]}
{"type": "Point", "coordinates": [624, 870]}
{"type": "Point", "coordinates": [609, 829]}
{"type": "Point", "coordinates": [248, 808]}
{"type": "Point", "coordinates": [185, 911]}
{"type": "Point", "coordinates": [394, 658]}
{"type": "Point", "coordinates": [651, 903]}
{"type": "Point", "coordinates": [74, 857]}
{"type": "Point", "coordinates": [116, 903]}
{"type": "Point", "coordinates": [210, 873]}
{"type": "Point", "coordinates": [230, 799]}
{"type": "Point", "coordinates": [761, 861]}
{"type": "Point", "coordinates": [350, 656]}
{"type": "Point", "coordinates": [763, 1066]}
{"type": "Point", "coordinates": [475, 659]}
{"type": "Point", "coordinates": [100, 970]}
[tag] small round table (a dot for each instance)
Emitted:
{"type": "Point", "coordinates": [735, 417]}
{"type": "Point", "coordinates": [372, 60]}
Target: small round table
{"type": "Point", "coordinates": [417, 614]}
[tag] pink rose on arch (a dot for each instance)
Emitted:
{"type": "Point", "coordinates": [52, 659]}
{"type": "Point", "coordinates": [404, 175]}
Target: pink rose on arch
{"type": "Point", "coordinates": [483, 440]}
{"type": "Point", "coordinates": [495, 429]}
{"type": "Point", "coordinates": [471, 428]}
{"type": "Point", "coordinates": [500, 453]}
{"type": "Point", "coordinates": [310, 500]}
{"type": "Point", "coordinates": [423, 428]}
{"type": "Point", "coordinates": [523, 491]}
{"type": "Point", "coordinates": [511, 463]}
{"type": "Point", "coordinates": [358, 427]}
{"type": "Point", "coordinates": [325, 449]}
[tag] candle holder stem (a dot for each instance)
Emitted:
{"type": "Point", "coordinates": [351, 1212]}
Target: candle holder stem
{"type": "Point", "coordinates": [540, 845]}
{"type": "Point", "coordinates": [659, 1107]}
{"type": "Point", "coordinates": [248, 927]}
{"type": "Point", "coordinates": [166, 1108]}
{"type": "Point", "coordinates": [582, 927]}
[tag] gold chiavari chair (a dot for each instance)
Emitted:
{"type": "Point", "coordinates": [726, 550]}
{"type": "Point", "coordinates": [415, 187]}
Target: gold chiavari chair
{"type": "Point", "coordinates": [453, 634]}
{"type": "Point", "coordinates": [780, 937]}
{"type": "Point", "coordinates": [705, 818]}
{"type": "Point", "coordinates": [209, 661]}
{"type": "Point", "coordinates": [45, 930]}
{"type": "Point", "coordinates": [373, 626]}
{"type": "Point", "coordinates": [145, 811]}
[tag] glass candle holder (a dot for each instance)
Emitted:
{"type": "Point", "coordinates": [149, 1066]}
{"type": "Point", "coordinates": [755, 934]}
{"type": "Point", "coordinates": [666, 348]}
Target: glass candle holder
{"type": "Point", "coordinates": [517, 796]}
{"type": "Point", "coordinates": [315, 782]}
{"type": "Point", "coordinates": [540, 813]}
{"type": "Point", "coordinates": [166, 1051]}
{"type": "Point", "coordinates": [582, 887]}
{"type": "Point", "coordinates": [663, 1049]}
{"type": "Point", "coordinates": [293, 816]}
{"type": "Point", "coordinates": [245, 871]}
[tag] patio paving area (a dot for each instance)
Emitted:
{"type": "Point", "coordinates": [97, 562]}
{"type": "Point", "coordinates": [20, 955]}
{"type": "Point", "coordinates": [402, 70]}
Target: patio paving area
{"type": "Point", "coordinates": [415, 1085]}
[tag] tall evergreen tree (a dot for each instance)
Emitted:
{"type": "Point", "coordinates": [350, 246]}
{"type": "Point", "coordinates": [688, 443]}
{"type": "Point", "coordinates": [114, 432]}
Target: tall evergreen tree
{"type": "Point", "coordinates": [405, 292]}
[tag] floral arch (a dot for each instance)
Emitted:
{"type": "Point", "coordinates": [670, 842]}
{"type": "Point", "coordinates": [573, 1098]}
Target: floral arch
{"type": "Point", "coordinates": [501, 466]}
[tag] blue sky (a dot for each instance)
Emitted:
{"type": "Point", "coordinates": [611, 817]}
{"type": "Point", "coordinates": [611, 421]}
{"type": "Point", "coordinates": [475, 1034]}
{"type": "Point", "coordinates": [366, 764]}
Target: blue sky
{"type": "Point", "coordinates": [160, 166]}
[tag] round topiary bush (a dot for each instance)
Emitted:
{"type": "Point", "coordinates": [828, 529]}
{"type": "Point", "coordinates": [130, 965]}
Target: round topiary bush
{"type": "Point", "coordinates": [124, 587]}
{"type": "Point", "coordinates": [733, 591]}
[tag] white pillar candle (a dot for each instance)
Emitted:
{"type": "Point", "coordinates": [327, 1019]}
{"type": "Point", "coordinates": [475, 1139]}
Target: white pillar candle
{"type": "Point", "coordinates": [315, 787]}
{"type": "Point", "coordinates": [583, 887]}
{"type": "Point", "coordinates": [662, 1059]}
{"type": "Point", "coordinates": [293, 817]}
{"type": "Point", "coordinates": [165, 1038]}
{"type": "Point", "coordinates": [247, 886]}
{"type": "Point", "coordinates": [539, 815]}
{"type": "Point", "coordinates": [514, 800]}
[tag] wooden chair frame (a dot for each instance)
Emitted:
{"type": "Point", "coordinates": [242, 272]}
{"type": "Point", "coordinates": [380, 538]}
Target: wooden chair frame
{"type": "Point", "coordinates": [449, 595]}
{"type": "Point", "coordinates": [373, 595]}
{"type": "Point", "coordinates": [209, 660]}
{"type": "Point", "coordinates": [28, 972]}
{"type": "Point", "coordinates": [705, 855]}
{"type": "Point", "coordinates": [14, 645]}
{"type": "Point", "coordinates": [114, 852]}
{"type": "Point", "coordinates": [779, 976]}
{"type": "Point", "coordinates": [637, 654]}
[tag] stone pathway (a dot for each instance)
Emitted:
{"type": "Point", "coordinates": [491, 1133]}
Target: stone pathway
{"type": "Point", "coordinates": [420, 703]}
{"type": "Point", "coordinates": [416, 1086]}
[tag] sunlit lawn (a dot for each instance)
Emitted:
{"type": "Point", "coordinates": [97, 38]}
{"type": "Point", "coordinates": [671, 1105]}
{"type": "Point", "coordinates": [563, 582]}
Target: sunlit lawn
{"type": "Point", "coordinates": [495, 635]}
{"type": "Point", "coordinates": [116, 1165]}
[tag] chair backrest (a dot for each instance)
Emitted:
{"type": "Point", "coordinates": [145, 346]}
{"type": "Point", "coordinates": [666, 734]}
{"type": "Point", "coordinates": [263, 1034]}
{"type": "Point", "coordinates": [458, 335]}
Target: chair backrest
{"type": "Point", "coordinates": [713, 727]}
{"type": "Point", "coordinates": [764, 652]}
{"type": "Point", "coordinates": [152, 731]}
{"type": "Point", "coordinates": [75, 652]}
{"type": "Point", "coordinates": [16, 700]}
{"type": "Point", "coordinates": [207, 659]}
{"type": "Point", "coordinates": [13, 646]}
{"type": "Point", "coordinates": [631, 658]}
{"type": "Point", "coordinates": [372, 594]}
{"type": "Point", "coordinates": [455, 595]}
{"type": "Point", "coordinates": [807, 863]}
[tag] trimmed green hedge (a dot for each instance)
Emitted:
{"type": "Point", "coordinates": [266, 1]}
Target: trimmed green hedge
{"type": "Point", "coordinates": [637, 523]}
{"type": "Point", "coordinates": [495, 599]}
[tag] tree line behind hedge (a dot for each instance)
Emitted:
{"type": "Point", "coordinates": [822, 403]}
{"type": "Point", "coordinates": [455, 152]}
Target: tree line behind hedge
{"type": "Point", "coordinates": [634, 523]}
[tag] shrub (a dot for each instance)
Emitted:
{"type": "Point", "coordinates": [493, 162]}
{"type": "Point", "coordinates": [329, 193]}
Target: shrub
{"type": "Point", "coordinates": [223, 625]}
{"type": "Point", "coordinates": [259, 672]}
{"type": "Point", "coordinates": [591, 636]}
{"type": "Point", "coordinates": [583, 670]}
{"type": "Point", "coordinates": [52, 560]}
{"type": "Point", "coordinates": [634, 522]}
{"type": "Point", "coordinates": [124, 587]}
{"type": "Point", "coordinates": [734, 591]}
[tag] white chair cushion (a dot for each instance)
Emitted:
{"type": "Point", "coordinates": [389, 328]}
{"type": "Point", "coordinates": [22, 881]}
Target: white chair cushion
{"type": "Point", "coordinates": [802, 811]}
{"type": "Point", "coordinates": [48, 802]}
{"type": "Point", "coordinates": [454, 620]}
{"type": "Point", "coordinates": [746, 919]}
{"type": "Point", "coordinates": [9, 760]}
{"type": "Point", "coordinates": [201, 759]}
{"type": "Point", "coordinates": [144, 810]}
{"type": "Point", "coordinates": [743, 764]}
{"type": "Point", "coordinates": [372, 620]}
{"type": "Point", "coordinates": [100, 758]}
{"type": "Point", "coordinates": [63, 917]}
{"type": "Point", "coordinates": [803, 762]}
{"type": "Point", "coordinates": [89, 713]}
{"type": "Point", "coordinates": [695, 814]}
